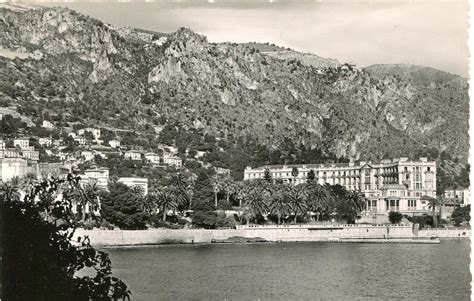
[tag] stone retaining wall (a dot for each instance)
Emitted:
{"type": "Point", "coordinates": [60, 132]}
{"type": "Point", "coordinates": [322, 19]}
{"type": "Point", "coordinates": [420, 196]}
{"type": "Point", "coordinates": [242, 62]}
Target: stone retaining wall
{"type": "Point", "coordinates": [445, 233]}
{"type": "Point", "coordinates": [163, 236]}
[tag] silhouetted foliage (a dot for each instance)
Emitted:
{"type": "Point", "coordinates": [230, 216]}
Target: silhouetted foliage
{"type": "Point", "coordinates": [40, 260]}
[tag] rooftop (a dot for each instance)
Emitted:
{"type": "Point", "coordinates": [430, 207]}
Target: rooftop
{"type": "Point", "coordinates": [341, 165]}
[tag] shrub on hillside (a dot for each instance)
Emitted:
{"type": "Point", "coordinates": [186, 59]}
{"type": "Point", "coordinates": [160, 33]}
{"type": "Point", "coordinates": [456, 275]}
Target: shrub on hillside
{"type": "Point", "coordinates": [41, 259]}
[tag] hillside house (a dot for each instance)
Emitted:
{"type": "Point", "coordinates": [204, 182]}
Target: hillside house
{"type": "Point", "coordinates": [170, 159]}
{"type": "Point", "coordinates": [13, 167]}
{"type": "Point", "coordinates": [95, 132]}
{"type": "Point", "coordinates": [99, 175]}
{"type": "Point", "coordinates": [114, 143]}
{"type": "Point", "coordinates": [153, 158]}
{"type": "Point", "coordinates": [133, 155]}
{"type": "Point", "coordinates": [23, 143]}
{"type": "Point", "coordinates": [81, 140]}
{"type": "Point", "coordinates": [45, 141]}
{"type": "Point", "coordinates": [88, 155]}
{"type": "Point", "coordinates": [48, 124]}
{"type": "Point", "coordinates": [135, 181]}
{"type": "Point", "coordinates": [30, 155]}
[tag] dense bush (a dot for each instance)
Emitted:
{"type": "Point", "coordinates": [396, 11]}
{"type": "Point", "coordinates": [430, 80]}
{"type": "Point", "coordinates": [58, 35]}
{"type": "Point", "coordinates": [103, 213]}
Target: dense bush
{"type": "Point", "coordinates": [394, 217]}
{"type": "Point", "coordinates": [211, 220]}
{"type": "Point", "coordinates": [122, 207]}
{"type": "Point", "coordinates": [423, 220]}
{"type": "Point", "coordinates": [461, 214]}
{"type": "Point", "coordinates": [157, 222]}
{"type": "Point", "coordinates": [224, 205]}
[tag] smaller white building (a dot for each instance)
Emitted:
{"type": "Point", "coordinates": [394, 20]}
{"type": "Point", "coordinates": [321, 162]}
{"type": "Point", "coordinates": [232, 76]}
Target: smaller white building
{"type": "Point", "coordinates": [13, 167]}
{"type": "Point", "coordinates": [30, 155]}
{"type": "Point", "coordinates": [80, 140]}
{"type": "Point", "coordinates": [2, 144]}
{"type": "Point", "coordinates": [45, 141]}
{"type": "Point", "coordinates": [101, 175]}
{"type": "Point", "coordinates": [23, 143]}
{"type": "Point", "coordinates": [114, 143]}
{"type": "Point", "coordinates": [170, 159]}
{"type": "Point", "coordinates": [134, 181]}
{"type": "Point", "coordinates": [95, 132]}
{"type": "Point", "coordinates": [48, 124]}
{"type": "Point", "coordinates": [88, 155]}
{"type": "Point", "coordinates": [133, 155]}
{"type": "Point", "coordinates": [153, 158]}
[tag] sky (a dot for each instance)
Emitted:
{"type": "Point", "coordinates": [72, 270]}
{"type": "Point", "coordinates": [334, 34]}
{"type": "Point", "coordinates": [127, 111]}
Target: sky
{"type": "Point", "coordinates": [429, 33]}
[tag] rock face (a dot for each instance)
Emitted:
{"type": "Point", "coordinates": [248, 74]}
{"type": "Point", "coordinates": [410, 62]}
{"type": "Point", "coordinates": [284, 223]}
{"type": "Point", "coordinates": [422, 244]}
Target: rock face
{"type": "Point", "coordinates": [117, 76]}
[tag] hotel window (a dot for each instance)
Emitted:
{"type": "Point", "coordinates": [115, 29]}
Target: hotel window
{"type": "Point", "coordinates": [428, 168]}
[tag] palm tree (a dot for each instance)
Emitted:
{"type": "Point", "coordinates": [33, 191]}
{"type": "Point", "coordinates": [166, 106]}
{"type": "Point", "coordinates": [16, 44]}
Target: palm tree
{"type": "Point", "coordinates": [441, 201]}
{"type": "Point", "coordinates": [279, 204]}
{"type": "Point", "coordinates": [180, 189]}
{"type": "Point", "coordinates": [318, 198]}
{"type": "Point", "coordinates": [166, 200]}
{"type": "Point", "coordinates": [9, 191]}
{"type": "Point", "coordinates": [190, 189]}
{"type": "Point", "coordinates": [138, 190]}
{"type": "Point", "coordinates": [297, 200]}
{"type": "Point", "coordinates": [432, 204]}
{"type": "Point", "coordinates": [230, 188]}
{"type": "Point", "coordinates": [216, 187]}
{"type": "Point", "coordinates": [148, 204]}
{"type": "Point", "coordinates": [243, 190]}
{"type": "Point", "coordinates": [255, 205]}
{"type": "Point", "coordinates": [356, 202]}
{"type": "Point", "coordinates": [26, 182]}
{"type": "Point", "coordinates": [86, 195]}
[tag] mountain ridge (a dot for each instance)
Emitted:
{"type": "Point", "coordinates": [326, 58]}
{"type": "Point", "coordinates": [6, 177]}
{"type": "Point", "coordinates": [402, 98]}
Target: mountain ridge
{"type": "Point", "coordinates": [141, 81]}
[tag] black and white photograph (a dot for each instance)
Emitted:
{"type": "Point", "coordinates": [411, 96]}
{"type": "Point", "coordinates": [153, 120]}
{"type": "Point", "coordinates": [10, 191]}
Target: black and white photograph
{"type": "Point", "coordinates": [235, 150]}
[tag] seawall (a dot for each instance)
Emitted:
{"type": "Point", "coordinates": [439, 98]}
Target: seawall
{"type": "Point", "coordinates": [271, 234]}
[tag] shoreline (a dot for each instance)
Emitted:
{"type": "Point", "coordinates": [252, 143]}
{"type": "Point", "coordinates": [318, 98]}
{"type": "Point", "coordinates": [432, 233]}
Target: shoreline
{"type": "Point", "coordinates": [344, 234]}
{"type": "Point", "coordinates": [387, 241]}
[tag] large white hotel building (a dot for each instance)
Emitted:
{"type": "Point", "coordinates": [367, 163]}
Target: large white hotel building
{"type": "Point", "coordinates": [389, 185]}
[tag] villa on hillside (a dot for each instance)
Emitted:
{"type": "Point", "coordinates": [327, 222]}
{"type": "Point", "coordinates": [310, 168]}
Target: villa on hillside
{"type": "Point", "coordinates": [133, 155]}
{"type": "Point", "coordinates": [135, 181]}
{"type": "Point", "coordinates": [389, 185]}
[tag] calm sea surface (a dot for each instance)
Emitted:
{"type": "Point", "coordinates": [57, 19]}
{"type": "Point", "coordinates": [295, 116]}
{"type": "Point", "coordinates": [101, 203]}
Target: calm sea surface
{"type": "Point", "coordinates": [297, 271]}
